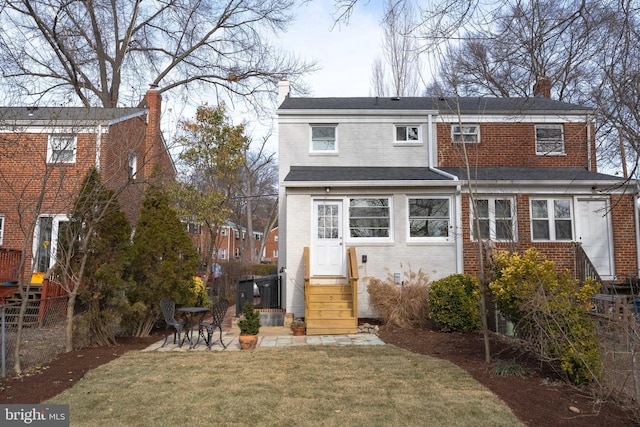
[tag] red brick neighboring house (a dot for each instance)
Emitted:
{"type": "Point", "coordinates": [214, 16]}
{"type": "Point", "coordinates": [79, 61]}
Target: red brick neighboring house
{"type": "Point", "coordinates": [52, 148]}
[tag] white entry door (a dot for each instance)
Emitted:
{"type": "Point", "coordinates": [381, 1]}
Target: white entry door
{"type": "Point", "coordinates": [327, 254]}
{"type": "Point", "coordinates": [594, 232]}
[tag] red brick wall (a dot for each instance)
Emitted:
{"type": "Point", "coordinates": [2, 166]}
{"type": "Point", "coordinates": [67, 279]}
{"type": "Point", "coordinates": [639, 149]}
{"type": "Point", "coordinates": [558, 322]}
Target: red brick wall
{"type": "Point", "coordinates": [513, 144]}
{"type": "Point", "coordinates": [624, 236]}
{"type": "Point", "coordinates": [562, 253]}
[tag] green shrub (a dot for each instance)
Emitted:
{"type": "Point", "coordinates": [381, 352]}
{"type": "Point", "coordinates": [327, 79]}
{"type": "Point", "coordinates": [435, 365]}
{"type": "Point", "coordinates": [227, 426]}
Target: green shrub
{"type": "Point", "coordinates": [403, 305]}
{"type": "Point", "coordinates": [454, 302]}
{"type": "Point", "coordinates": [549, 311]}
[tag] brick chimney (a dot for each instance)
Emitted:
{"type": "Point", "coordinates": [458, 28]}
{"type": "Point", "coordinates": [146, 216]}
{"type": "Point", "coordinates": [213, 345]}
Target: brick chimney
{"type": "Point", "coordinates": [153, 133]}
{"type": "Point", "coordinates": [542, 87]}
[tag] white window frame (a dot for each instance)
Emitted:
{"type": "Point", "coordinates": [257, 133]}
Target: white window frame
{"type": "Point", "coordinates": [222, 254]}
{"type": "Point", "coordinates": [53, 244]}
{"type": "Point", "coordinates": [407, 139]}
{"type": "Point", "coordinates": [1, 228]}
{"type": "Point", "coordinates": [275, 253]}
{"type": "Point", "coordinates": [132, 165]}
{"type": "Point", "coordinates": [389, 207]}
{"type": "Point", "coordinates": [551, 218]}
{"type": "Point", "coordinates": [312, 139]}
{"type": "Point", "coordinates": [62, 148]}
{"type": "Point", "coordinates": [545, 142]}
{"type": "Point", "coordinates": [449, 219]}
{"type": "Point", "coordinates": [491, 204]}
{"type": "Point", "coordinates": [223, 231]}
{"type": "Point", "coordinates": [467, 133]}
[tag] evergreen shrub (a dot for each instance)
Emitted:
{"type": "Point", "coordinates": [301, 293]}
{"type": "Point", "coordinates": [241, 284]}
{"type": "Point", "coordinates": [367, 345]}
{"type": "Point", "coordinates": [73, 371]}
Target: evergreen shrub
{"type": "Point", "coordinates": [454, 302]}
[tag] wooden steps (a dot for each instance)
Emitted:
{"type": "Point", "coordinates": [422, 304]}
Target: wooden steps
{"type": "Point", "coordinates": [330, 309]}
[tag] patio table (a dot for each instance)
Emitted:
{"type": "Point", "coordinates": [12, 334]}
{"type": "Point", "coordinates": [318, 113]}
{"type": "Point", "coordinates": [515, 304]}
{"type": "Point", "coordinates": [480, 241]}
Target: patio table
{"type": "Point", "coordinates": [189, 313]}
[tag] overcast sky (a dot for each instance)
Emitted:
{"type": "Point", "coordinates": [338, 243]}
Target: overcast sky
{"type": "Point", "coordinates": [345, 53]}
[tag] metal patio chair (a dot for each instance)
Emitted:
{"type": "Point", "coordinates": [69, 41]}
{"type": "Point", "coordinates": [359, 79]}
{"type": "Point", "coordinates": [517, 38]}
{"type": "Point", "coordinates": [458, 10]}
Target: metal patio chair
{"type": "Point", "coordinates": [219, 311]}
{"type": "Point", "coordinates": [168, 307]}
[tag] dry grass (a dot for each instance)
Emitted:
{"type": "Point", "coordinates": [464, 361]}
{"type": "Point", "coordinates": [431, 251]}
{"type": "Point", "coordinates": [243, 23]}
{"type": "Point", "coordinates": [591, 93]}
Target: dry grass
{"type": "Point", "coordinates": [404, 305]}
{"type": "Point", "coordinates": [292, 386]}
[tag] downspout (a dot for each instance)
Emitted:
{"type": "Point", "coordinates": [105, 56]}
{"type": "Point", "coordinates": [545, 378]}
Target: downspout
{"type": "Point", "coordinates": [636, 200]}
{"type": "Point", "coordinates": [432, 149]}
{"type": "Point", "coordinates": [98, 146]}
{"type": "Point", "coordinates": [588, 142]}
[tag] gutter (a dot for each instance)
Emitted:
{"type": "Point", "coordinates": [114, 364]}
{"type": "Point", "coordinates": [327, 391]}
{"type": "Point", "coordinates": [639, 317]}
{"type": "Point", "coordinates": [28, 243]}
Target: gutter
{"type": "Point", "coordinates": [636, 200]}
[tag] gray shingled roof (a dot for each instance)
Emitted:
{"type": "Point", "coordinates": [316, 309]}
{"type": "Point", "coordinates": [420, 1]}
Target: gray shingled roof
{"type": "Point", "coordinates": [531, 174]}
{"type": "Point", "coordinates": [467, 105]}
{"type": "Point", "coordinates": [345, 173]}
{"type": "Point", "coordinates": [39, 115]}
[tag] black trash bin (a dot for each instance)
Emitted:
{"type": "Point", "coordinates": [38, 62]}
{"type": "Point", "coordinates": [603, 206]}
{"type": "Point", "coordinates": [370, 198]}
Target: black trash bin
{"type": "Point", "coordinates": [244, 293]}
{"type": "Point", "coordinates": [269, 287]}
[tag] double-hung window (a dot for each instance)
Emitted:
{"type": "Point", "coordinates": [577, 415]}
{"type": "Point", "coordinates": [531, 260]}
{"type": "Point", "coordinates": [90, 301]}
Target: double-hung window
{"type": "Point", "coordinates": [429, 218]}
{"type": "Point", "coordinates": [465, 133]}
{"type": "Point", "coordinates": [323, 139]}
{"type": "Point", "coordinates": [551, 219]}
{"type": "Point", "coordinates": [61, 148]}
{"type": "Point", "coordinates": [408, 134]}
{"type": "Point", "coordinates": [1, 228]}
{"type": "Point", "coordinates": [549, 139]}
{"type": "Point", "coordinates": [494, 219]}
{"type": "Point", "coordinates": [370, 218]}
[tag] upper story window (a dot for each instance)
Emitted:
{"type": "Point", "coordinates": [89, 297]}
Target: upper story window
{"type": "Point", "coordinates": [223, 231]}
{"type": "Point", "coordinates": [466, 133]}
{"type": "Point", "coordinates": [551, 219]}
{"type": "Point", "coordinates": [1, 228]}
{"type": "Point", "coordinates": [429, 218]}
{"type": "Point", "coordinates": [323, 139]}
{"type": "Point", "coordinates": [494, 219]}
{"type": "Point", "coordinates": [62, 148]}
{"type": "Point", "coordinates": [549, 139]}
{"type": "Point", "coordinates": [370, 218]}
{"type": "Point", "coordinates": [408, 134]}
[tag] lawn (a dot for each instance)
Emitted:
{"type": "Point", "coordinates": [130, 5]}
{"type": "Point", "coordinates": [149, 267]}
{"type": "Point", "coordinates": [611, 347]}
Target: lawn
{"type": "Point", "coordinates": [291, 386]}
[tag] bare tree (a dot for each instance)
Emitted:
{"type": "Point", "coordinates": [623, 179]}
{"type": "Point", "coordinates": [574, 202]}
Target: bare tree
{"type": "Point", "coordinates": [99, 52]}
{"type": "Point", "coordinates": [256, 189]}
{"type": "Point", "coordinates": [400, 53]}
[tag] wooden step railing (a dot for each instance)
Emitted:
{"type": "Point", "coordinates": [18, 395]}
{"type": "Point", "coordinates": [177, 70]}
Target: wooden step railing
{"type": "Point", "coordinates": [331, 303]}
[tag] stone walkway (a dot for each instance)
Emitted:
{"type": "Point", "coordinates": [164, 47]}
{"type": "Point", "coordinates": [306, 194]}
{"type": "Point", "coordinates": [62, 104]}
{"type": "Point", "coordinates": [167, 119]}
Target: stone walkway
{"type": "Point", "coordinates": [270, 337]}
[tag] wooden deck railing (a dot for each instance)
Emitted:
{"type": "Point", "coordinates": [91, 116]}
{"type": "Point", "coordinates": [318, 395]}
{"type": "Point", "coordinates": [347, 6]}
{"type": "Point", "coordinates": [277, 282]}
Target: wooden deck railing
{"type": "Point", "coordinates": [352, 276]}
{"type": "Point", "coordinates": [307, 277]}
{"type": "Point", "coordinates": [9, 265]}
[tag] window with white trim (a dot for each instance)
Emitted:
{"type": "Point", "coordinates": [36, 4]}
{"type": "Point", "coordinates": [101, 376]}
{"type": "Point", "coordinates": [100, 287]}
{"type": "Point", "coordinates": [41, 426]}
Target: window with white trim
{"type": "Point", "coordinates": [1, 228]}
{"type": "Point", "coordinates": [275, 253]}
{"type": "Point", "coordinates": [236, 253]}
{"type": "Point", "coordinates": [465, 133]}
{"type": "Point", "coordinates": [551, 219]}
{"type": "Point", "coordinates": [62, 148]}
{"type": "Point", "coordinates": [429, 217]}
{"type": "Point", "coordinates": [132, 166]}
{"type": "Point", "coordinates": [408, 134]}
{"type": "Point", "coordinates": [549, 139]}
{"type": "Point", "coordinates": [222, 254]}
{"type": "Point", "coordinates": [370, 218]}
{"type": "Point", "coordinates": [323, 139]}
{"type": "Point", "coordinates": [495, 219]}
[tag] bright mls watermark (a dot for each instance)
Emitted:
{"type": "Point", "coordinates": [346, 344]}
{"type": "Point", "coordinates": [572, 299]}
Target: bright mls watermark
{"type": "Point", "coordinates": [36, 415]}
